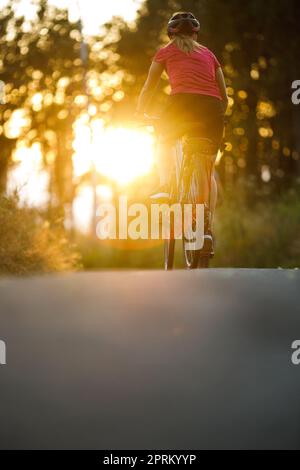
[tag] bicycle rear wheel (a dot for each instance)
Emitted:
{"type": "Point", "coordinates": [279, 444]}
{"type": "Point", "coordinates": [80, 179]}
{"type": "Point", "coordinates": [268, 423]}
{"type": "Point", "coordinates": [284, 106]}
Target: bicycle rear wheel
{"type": "Point", "coordinates": [191, 256]}
{"type": "Point", "coordinates": [197, 190]}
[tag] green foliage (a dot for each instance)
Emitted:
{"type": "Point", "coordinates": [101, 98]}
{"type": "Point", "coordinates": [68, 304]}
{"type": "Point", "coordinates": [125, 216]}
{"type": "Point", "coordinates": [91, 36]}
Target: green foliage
{"type": "Point", "coordinates": [260, 234]}
{"type": "Point", "coordinates": [98, 255]}
{"type": "Point", "coordinates": [265, 234]}
{"type": "Point", "coordinates": [30, 244]}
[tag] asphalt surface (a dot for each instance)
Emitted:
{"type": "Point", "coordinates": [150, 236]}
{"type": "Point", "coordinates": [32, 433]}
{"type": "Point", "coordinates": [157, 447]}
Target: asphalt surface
{"type": "Point", "coordinates": [151, 360]}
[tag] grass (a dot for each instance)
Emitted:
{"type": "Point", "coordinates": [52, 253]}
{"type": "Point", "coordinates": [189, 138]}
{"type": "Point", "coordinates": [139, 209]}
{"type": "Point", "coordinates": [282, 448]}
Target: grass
{"type": "Point", "coordinates": [263, 234]}
{"type": "Point", "coordinates": [30, 244]}
{"type": "Point", "coordinates": [251, 232]}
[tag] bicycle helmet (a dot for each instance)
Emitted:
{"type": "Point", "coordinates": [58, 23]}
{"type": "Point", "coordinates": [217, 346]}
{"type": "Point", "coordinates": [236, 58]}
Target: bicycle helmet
{"type": "Point", "coordinates": [183, 23]}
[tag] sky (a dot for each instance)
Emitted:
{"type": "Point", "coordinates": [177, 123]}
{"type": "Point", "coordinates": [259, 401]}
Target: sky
{"type": "Point", "coordinates": [93, 12]}
{"type": "Point", "coordinates": [97, 12]}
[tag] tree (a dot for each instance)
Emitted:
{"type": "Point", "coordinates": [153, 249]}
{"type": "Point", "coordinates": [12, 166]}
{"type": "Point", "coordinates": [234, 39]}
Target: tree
{"type": "Point", "coordinates": [49, 86]}
{"type": "Point", "coordinates": [257, 43]}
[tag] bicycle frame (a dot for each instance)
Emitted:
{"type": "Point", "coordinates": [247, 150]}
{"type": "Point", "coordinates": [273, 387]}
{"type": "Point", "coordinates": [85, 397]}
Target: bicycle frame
{"type": "Point", "coordinates": [186, 189]}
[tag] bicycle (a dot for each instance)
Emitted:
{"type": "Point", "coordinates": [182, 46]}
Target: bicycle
{"type": "Point", "coordinates": [190, 184]}
{"type": "Point", "coordinates": [193, 165]}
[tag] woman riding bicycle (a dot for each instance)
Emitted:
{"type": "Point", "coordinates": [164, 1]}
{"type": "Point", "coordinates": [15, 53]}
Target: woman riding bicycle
{"type": "Point", "coordinates": [198, 94]}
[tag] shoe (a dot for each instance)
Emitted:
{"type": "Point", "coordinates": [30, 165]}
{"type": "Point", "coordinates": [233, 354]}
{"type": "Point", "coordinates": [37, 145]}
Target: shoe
{"type": "Point", "coordinates": [160, 194]}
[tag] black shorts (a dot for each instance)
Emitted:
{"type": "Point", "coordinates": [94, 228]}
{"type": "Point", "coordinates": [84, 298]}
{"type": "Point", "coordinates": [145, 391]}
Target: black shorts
{"type": "Point", "coordinates": [188, 107]}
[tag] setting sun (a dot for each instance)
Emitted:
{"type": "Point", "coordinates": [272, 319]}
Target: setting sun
{"type": "Point", "coordinates": [123, 154]}
{"type": "Point", "coordinates": [120, 154]}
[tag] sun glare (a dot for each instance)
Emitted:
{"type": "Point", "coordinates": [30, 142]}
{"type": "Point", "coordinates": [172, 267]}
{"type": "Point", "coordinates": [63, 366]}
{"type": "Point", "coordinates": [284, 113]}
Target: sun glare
{"type": "Point", "coordinates": [124, 154]}
{"type": "Point", "coordinates": [120, 154]}
{"type": "Point", "coordinates": [28, 177]}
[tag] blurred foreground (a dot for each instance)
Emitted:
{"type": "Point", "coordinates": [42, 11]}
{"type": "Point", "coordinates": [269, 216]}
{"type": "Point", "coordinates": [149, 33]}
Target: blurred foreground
{"type": "Point", "coordinates": [151, 360]}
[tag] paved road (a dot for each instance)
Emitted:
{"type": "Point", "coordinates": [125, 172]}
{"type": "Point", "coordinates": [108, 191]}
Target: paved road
{"type": "Point", "coordinates": [134, 360]}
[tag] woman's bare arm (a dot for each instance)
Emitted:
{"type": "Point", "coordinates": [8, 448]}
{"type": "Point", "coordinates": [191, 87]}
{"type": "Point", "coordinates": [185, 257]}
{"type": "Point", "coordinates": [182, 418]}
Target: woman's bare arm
{"type": "Point", "coordinates": [149, 87]}
{"type": "Point", "coordinates": [222, 86]}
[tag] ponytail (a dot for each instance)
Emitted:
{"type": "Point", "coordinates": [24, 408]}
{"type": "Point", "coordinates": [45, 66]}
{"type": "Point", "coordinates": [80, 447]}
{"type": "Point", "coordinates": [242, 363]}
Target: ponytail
{"type": "Point", "coordinates": [185, 43]}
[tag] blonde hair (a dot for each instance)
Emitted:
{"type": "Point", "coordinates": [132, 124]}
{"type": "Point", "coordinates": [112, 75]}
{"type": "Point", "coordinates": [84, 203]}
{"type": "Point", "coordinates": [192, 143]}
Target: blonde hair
{"type": "Point", "coordinates": [185, 43]}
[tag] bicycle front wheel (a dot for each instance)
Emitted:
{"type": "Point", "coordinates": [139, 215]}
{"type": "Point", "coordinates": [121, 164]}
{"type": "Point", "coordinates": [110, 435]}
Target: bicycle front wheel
{"type": "Point", "coordinates": [169, 249]}
{"type": "Point", "coordinates": [169, 254]}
